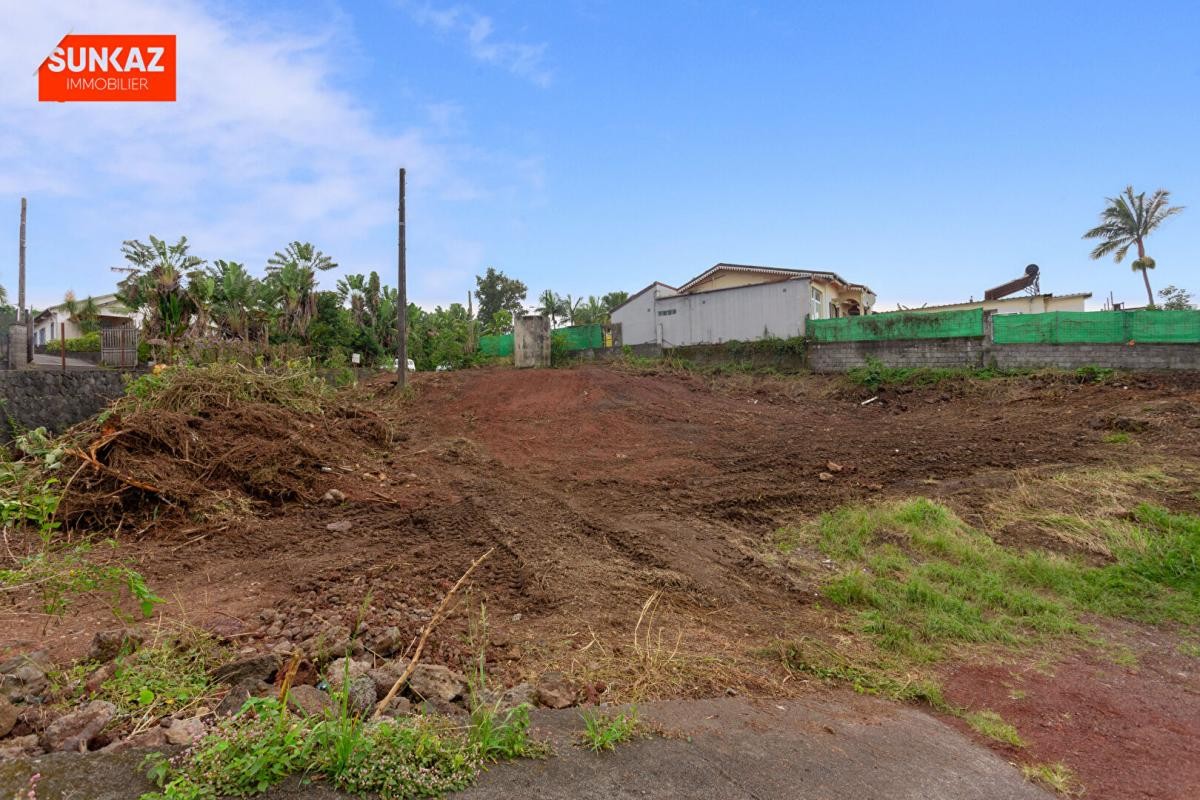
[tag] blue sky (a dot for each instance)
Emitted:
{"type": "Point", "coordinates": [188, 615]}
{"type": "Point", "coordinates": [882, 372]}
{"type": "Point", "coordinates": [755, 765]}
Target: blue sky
{"type": "Point", "coordinates": [930, 150]}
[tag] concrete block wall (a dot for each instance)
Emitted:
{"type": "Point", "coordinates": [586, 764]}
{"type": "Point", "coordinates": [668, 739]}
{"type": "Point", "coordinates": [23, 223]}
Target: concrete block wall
{"type": "Point", "coordinates": [844, 356]}
{"type": "Point", "coordinates": [976, 353]}
{"type": "Point", "coordinates": [1111, 356]}
{"type": "Point", "coordinates": [55, 400]}
{"type": "Point", "coordinates": [714, 354]}
{"type": "Point", "coordinates": [648, 350]}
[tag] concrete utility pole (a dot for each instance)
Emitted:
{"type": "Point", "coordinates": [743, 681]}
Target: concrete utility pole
{"type": "Point", "coordinates": [401, 295]}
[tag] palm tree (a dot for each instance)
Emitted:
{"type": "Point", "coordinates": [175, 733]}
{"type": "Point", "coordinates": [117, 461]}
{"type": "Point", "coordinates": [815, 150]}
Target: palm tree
{"type": "Point", "coordinates": [302, 254]}
{"type": "Point", "coordinates": [614, 299]}
{"type": "Point", "coordinates": [292, 278]}
{"type": "Point", "coordinates": [353, 288]}
{"type": "Point", "coordinates": [84, 312]}
{"type": "Point", "coordinates": [235, 295]}
{"type": "Point", "coordinates": [552, 306]}
{"type": "Point", "coordinates": [591, 312]}
{"type": "Point", "coordinates": [157, 284]}
{"type": "Point", "coordinates": [571, 308]}
{"type": "Point", "coordinates": [293, 290]}
{"type": "Point", "coordinates": [1126, 222]}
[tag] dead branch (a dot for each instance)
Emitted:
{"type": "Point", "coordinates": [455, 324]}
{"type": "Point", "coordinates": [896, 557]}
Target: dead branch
{"type": "Point", "coordinates": [134, 482]}
{"type": "Point", "coordinates": [437, 617]}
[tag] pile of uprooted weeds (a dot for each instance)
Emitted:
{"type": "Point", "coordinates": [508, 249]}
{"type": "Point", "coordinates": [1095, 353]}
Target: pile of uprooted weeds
{"type": "Point", "coordinates": [209, 444]}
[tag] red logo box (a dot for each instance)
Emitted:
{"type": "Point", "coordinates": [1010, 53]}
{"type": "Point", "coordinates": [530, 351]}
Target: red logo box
{"type": "Point", "coordinates": [100, 68]}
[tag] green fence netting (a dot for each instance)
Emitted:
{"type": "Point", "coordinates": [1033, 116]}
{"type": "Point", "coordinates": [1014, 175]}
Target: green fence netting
{"type": "Point", "coordinates": [1097, 327]}
{"type": "Point", "coordinates": [582, 337]}
{"type": "Point", "coordinates": [898, 325]}
{"type": "Point", "coordinates": [577, 337]}
{"type": "Point", "coordinates": [496, 345]}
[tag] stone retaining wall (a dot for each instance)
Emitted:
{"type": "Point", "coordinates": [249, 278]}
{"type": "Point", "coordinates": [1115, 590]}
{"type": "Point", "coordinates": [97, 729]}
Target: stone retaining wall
{"type": "Point", "coordinates": [53, 399]}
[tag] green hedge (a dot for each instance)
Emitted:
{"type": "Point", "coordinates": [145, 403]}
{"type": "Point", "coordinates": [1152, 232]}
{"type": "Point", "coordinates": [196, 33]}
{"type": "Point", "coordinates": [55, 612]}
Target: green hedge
{"type": "Point", "coordinates": [88, 343]}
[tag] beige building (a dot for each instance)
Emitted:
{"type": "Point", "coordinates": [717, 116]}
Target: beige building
{"type": "Point", "coordinates": [737, 302]}
{"type": "Point", "coordinates": [1020, 304]}
{"type": "Point", "coordinates": [831, 295]}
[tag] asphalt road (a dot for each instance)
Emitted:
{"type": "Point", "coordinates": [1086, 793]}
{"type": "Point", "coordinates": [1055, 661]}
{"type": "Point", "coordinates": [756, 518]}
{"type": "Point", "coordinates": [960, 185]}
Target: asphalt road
{"type": "Point", "coordinates": [830, 747]}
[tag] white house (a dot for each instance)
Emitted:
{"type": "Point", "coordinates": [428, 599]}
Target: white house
{"type": "Point", "coordinates": [737, 302]}
{"type": "Point", "coordinates": [47, 325]}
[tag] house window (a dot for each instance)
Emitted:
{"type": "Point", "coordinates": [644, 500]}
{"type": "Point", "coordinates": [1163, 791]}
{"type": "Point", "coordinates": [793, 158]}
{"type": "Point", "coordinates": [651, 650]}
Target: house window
{"type": "Point", "coordinates": [833, 311]}
{"type": "Point", "coordinates": [818, 298]}
{"type": "Point", "coordinates": [667, 312]}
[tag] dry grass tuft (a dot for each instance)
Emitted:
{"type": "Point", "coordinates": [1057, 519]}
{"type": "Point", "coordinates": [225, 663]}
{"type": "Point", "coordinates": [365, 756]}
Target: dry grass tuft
{"type": "Point", "coordinates": [1084, 508]}
{"type": "Point", "coordinates": [1057, 777]}
{"type": "Point", "coordinates": [661, 659]}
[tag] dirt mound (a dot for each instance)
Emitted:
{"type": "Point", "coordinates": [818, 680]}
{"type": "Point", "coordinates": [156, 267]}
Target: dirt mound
{"type": "Point", "coordinates": [632, 515]}
{"type": "Point", "coordinates": [210, 446]}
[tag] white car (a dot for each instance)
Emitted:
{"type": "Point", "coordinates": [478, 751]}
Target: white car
{"type": "Point", "coordinates": [412, 367]}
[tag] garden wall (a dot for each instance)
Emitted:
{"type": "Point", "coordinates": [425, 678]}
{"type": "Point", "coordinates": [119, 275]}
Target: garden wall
{"type": "Point", "coordinates": [945, 353]}
{"type": "Point", "coordinates": [54, 399]}
{"type": "Point", "coordinates": [755, 355]}
{"type": "Point", "coordinates": [978, 353]}
{"type": "Point", "coordinates": [648, 350]}
{"type": "Point", "coordinates": [1144, 339]}
{"type": "Point", "coordinates": [1112, 356]}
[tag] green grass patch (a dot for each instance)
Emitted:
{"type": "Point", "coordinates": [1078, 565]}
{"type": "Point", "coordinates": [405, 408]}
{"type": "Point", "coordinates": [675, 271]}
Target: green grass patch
{"type": "Point", "coordinates": [1191, 649]}
{"type": "Point", "coordinates": [1090, 374]}
{"type": "Point", "coordinates": [1117, 437]}
{"type": "Point", "coordinates": [876, 375]}
{"type": "Point", "coordinates": [884, 679]}
{"type": "Point", "coordinates": [396, 759]}
{"type": "Point", "coordinates": [164, 677]}
{"type": "Point", "coordinates": [991, 725]}
{"type": "Point", "coordinates": [252, 751]}
{"type": "Point", "coordinates": [503, 735]}
{"type": "Point", "coordinates": [923, 581]}
{"type": "Point", "coordinates": [411, 757]}
{"type": "Point", "coordinates": [605, 731]}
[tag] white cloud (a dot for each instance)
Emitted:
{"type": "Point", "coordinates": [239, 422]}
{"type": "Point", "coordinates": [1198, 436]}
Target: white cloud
{"type": "Point", "coordinates": [520, 58]}
{"type": "Point", "coordinates": [262, 146]}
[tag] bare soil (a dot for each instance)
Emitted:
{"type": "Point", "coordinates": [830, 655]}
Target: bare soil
{"type": "Point", "coordinates": [1126, 721]}
{"type": "Point", "coordinates": [599, 488]}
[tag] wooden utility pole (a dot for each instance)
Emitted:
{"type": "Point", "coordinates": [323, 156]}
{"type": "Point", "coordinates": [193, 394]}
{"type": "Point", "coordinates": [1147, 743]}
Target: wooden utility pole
{"type": "Point", "coordinates": [471, 331]}
{"type": "Point", "coordinates": [23, 312]}
{"type": "Point", "coordinates": [401, 295]}
{"type": "Point", "coordinates": [21, 268]}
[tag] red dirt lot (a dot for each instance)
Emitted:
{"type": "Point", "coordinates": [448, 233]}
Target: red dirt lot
{"type": "Point", "coordinates": [1129, 731]}
{"type": "Point", "coordinates": [599, 487]}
